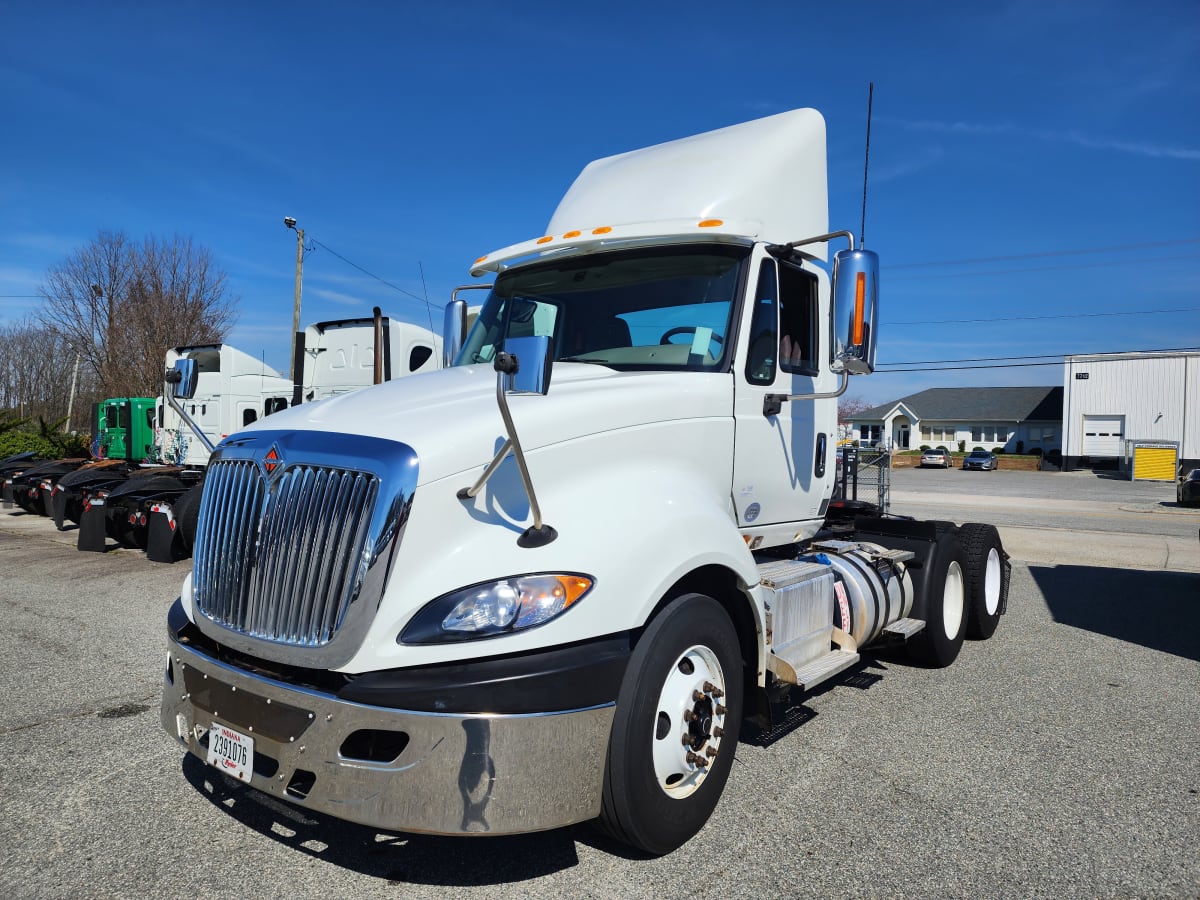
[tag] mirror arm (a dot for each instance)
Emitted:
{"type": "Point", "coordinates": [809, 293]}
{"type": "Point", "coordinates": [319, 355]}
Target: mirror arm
{"type": "Point", "coordinates": [782, 251]}
{"type": "Point", "coordinates": [828, 395]}
{"type": "Point", "coordinates": [188, 419]}
{"type": "Point", "coordinates": [538, 534]}
{"type": "Point", "coordinates": [772, 400]}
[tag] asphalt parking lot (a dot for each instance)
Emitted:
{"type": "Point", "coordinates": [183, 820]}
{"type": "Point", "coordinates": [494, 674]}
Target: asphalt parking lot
{"type": "Point", "coordinates": [1059, 759]}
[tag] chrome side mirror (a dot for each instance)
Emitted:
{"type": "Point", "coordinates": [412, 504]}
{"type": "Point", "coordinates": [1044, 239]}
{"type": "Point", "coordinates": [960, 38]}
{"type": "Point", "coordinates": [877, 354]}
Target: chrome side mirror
{"type": "Point", "coordinates": [534, 364]}
{"type": "Point", "coordinates": [855, 305]}
{"type": "Point", "coordinates": [182, 379]}
{"type": "Point", "coordinates": [454, 331]}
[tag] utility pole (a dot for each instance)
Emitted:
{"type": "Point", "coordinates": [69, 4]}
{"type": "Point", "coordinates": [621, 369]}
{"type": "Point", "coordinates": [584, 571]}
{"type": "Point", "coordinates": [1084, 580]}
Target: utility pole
{"type": "Point", "coordinates": [291, 223]}
{"type": "Point", "coordinates": [71, 401]}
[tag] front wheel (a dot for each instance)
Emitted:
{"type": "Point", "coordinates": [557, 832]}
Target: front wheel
{"type": "Point", "coordinates": [678, 716]}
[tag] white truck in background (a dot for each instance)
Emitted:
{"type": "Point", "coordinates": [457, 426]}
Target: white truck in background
{"type": "Point", "coordinates": [340, 356]}
{"type": "Point", "coordinates": [233, 389]}
{"type": "Point", "coordinates": [547, 584]}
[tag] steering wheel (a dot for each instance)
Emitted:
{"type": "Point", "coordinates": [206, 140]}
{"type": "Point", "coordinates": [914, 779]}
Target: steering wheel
{"type": "Point", "coordinates": [688, 329]}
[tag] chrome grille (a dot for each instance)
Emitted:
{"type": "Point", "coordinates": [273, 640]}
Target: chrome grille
{"type": "Point", "coordinates": [283, 562]}
{"type": "Point", "coordinates": [295, 539]}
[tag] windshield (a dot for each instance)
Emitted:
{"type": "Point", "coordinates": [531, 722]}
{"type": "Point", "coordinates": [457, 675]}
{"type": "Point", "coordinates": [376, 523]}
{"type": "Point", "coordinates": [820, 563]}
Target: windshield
{"type": "Point", "coordinates": [665, 308]}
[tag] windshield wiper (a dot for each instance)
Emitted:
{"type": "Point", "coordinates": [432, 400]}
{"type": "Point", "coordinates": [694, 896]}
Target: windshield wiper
{"type": "Point", "coordinates": [583, 359]}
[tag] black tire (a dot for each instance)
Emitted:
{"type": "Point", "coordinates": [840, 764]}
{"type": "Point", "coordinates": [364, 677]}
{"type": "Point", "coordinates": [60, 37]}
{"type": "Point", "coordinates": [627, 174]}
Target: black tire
{"type": "Point", "coordinates": [655, 795]}
{"type": "Point", "coordinates": [187, 518]}
{"type": "Point", "coordinates": [941, 601]}
{"type": "Point", "coordinates": [987, 586]}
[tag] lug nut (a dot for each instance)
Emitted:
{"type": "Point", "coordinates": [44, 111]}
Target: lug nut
{"type": "Point", "coordinates": [709, 687]}
{"type": "Point", "coordinates": [711, 751]}
{"type": "Point", "coordinates": [720, 710]}
{"type": "Point", "coordinates": [686, 740]}
{"type": "Point", "coordinates": [697, 696]}
{"type": "Point", "coordinates": [719, 732]}
{"type": "Point", "coordinates": [692, 757]}
{"type": "Point", "coordinates": [688, 715]}
{"type": "Point", "coordinates": [701, 762]}
{"type": "Point", "coordinates": [717, 693]}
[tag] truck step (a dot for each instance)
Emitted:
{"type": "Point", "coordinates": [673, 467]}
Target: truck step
{"type": "Point", "coordinates": [904, 628]}
{"type": "Point", "coordinates": [824, 667]}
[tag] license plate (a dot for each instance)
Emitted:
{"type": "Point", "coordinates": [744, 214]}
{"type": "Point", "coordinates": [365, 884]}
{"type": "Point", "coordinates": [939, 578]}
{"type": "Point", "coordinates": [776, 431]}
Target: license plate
{"type": "Point", "coordinates": [231, 751]}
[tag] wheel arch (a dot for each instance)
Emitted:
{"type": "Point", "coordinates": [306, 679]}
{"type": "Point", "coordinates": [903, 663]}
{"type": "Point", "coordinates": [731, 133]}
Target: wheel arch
{"type": "Point", "coordinates": [727, 588]}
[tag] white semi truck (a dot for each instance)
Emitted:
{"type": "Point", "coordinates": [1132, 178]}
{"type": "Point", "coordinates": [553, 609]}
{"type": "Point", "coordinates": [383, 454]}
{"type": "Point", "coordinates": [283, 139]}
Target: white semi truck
{"type": "Point", "coordinates": [546, 584]}
{"type": "Point", "coordinates": [232, 390]}
{"type": "Point", "coordinates": [340, 356]}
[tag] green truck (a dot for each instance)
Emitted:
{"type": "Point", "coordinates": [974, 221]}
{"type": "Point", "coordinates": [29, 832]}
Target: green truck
{"type": "Point", "coordinates": [124, 428]}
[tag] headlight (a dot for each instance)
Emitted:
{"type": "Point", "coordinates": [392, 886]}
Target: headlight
{"type": "Point", "coordinates": [496, 607]}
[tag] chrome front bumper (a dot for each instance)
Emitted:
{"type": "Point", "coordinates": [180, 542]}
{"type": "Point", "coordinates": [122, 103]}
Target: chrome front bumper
{"type": "Point", "coordinates": [456, 774]}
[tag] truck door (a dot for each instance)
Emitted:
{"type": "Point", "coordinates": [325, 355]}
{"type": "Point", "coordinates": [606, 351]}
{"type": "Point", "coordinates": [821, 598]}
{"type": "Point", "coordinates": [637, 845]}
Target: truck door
{"type": "Point", "coordinates": [783, 451]}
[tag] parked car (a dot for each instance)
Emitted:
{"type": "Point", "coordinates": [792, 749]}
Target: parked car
{"type": "Point", "coordinates": [1187, 489]}
{"type": "Point", "coordinates": [981, 459]}
{"type": "Point", "coordinates": [938, 457]}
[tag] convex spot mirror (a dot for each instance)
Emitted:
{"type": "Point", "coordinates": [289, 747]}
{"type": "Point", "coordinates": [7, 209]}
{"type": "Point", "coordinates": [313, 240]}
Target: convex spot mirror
{"type": "Point", "coordinates": [182, 379]}
{"type": "Point", "coordinates": [855, 306]}
{"type": "Point", "coordinates": [535, 359]}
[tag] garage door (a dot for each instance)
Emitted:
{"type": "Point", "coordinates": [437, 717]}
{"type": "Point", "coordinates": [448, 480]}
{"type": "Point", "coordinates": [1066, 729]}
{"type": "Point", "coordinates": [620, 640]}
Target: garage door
{"type": "Point", "coordinates": [1154, 463]}
{"type": "Point", "coordinates": [1103, 436]}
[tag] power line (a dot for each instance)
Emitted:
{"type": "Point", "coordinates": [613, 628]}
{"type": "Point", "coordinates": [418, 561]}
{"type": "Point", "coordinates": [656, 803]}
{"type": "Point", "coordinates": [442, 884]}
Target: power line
{"type": "Point", "coordinates": [957, 368]}
{"type": "Point", "coordinates": [1058, 359]}
{"type": "Point", "coordinates": [1099, 265]}
{"type": "Point", "coordinates": [1124, 248]}
{"type": "Point", "coordinates": [921, 362]}
{"type": "Point", "coordinates": [394, 287]}
{"type": "Point", "coordinates": [1139, 312]}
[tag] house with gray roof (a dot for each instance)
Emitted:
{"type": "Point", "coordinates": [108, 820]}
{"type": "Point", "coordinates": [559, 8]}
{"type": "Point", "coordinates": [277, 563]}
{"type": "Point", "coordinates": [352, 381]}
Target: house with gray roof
{"type": "Point", "coordinates": [988, 417]}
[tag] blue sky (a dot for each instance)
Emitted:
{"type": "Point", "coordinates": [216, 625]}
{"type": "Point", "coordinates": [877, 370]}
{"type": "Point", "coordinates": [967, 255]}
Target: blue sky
{"type": "Point", "coordinates": [1028, 159]}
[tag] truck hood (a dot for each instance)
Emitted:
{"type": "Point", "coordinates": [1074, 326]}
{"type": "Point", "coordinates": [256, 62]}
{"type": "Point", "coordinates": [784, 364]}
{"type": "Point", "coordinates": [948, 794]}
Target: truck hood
{"type": "Point", "coordinates": [452, 421]}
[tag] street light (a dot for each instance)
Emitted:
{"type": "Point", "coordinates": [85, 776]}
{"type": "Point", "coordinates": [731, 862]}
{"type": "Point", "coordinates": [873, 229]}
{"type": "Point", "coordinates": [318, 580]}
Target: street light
{"type": "Point", "coordinates": [291, 223]}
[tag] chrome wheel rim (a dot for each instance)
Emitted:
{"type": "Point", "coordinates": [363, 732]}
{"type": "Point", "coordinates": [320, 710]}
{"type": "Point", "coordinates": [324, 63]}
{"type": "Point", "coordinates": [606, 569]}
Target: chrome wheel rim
{"type": "Point", "coordinates": [689, 722]}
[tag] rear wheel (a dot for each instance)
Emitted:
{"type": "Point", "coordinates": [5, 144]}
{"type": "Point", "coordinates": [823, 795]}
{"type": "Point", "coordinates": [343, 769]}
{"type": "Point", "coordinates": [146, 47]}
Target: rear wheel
{"type": "Point", "coordinates": [676, 727]}
{"type": "Point", "coordinates": [987, 590]}
{"type": "Point", "coordinates": [942, 602]}
{"type": "Point", "coordinates": [187, 517]}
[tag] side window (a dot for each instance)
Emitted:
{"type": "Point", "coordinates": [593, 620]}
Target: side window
{"type": "Point", "coordinates": [419, 356]}
{"type": "Point", "coordinates": [764, 340]}
{"type": "Point", "coordinates": [248, 416]}
{"type": "Point", "coordinates": [123, 416]}
{"type": "Point", "coordinates": [798, 321]}
{"type": "Point", "coordinates": [110, 417]}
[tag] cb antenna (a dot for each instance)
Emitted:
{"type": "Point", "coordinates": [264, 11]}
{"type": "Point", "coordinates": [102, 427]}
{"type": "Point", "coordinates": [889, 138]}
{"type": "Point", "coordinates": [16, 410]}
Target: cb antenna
{"type": "Point", "coordinates": [862, 232]}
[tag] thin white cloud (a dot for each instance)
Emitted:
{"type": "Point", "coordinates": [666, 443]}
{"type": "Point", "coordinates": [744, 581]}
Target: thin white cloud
{"type": "Point", "coordinates": [337, 297]}
{"type": "Point", "coordinates": [926, 159]}
{"type": "Point", "coordinates": [1139, 148]}
{"type": "Point", "coordinates": [20, 279]}
{"type": "Point", "coordinates": [981, 129]}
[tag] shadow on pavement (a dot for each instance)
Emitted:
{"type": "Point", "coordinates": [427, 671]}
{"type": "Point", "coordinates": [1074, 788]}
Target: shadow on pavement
{"type": "Point", "coordinates": [398, 858]}
{"type": "Point", "coordinates": [1158, 610]}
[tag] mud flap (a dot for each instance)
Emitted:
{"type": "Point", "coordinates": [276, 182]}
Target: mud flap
{"type": "Point", "coordinates": [160, 546]}
{"type": "Point", "coordinates": [93, 531]}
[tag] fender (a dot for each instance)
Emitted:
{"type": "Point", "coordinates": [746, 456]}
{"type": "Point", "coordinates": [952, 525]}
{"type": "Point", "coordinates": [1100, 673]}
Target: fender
{"type": "Point", "coordinates": [636, 509]}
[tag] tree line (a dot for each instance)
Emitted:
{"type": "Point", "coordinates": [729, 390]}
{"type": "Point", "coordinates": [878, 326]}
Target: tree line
{"type": "Point", "coordinates": [108, 314]}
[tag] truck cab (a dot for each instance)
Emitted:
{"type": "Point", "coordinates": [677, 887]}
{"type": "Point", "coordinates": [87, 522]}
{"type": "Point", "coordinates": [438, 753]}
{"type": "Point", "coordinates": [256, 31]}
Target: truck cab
{"type": "Point", "coordinates": [547, 583]}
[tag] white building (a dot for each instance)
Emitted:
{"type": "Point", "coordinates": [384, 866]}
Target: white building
{"type": "Point", "coordinates": [1112, 401]}
{"type": "Point", "coordinates": [1013, 419]}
